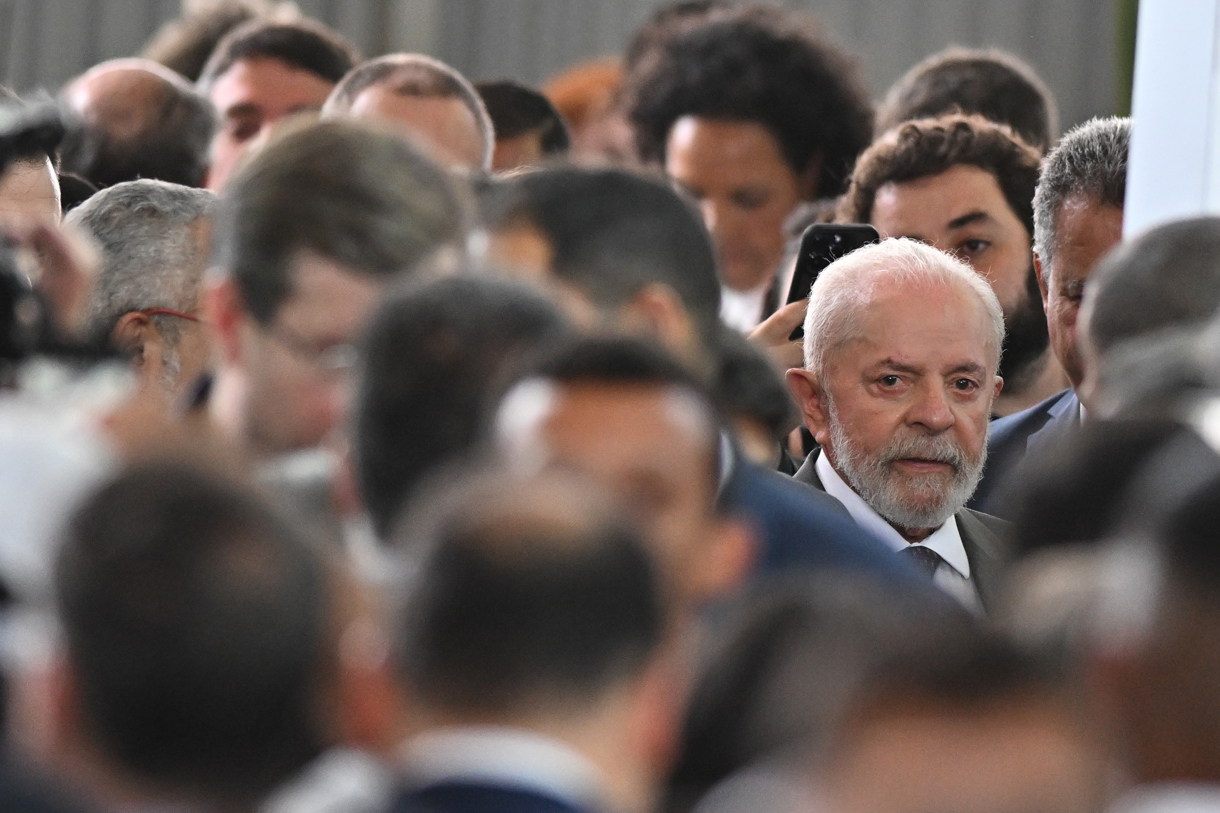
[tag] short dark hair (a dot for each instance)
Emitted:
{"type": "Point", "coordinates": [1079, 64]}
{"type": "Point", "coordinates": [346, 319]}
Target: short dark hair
{"type": "Point", "coordinates": [196, 623]}
{"type": "Point", "coordinates": [524, 594]}
{"type": "Point", "coordinates": [171, 144]}
{"type": "Point", "coordinates": [625, 361]}
{"type": "Point", "coordinates": [414, 75]}
{"type": "Point", "coordinates": [305, 44]}
{"type": "Point", "coordinates": [758, 66]}
{"type": "Point", "coordinates": [1090, 161]}
{"type": "Point", "coordinates": [747, 384]}
{"type": "Point", "coordinates": [362, 198]}
{"type": "Point", "coordinates": [31, 149]}
{"type": "Point", "coordinates": [1187, 542]}
{"type": "Point", "coordinates": [927, 147]}
{"type": "Point", "coordinates": [612, 233]}
{"type": "Point", "coordinates": [994, 84]}
{"type": "Point", "coordinates": [1165, 278]}
{"type": "Point", "coordinates": [516, 110]}
{"type": "Point", "coordinates": [433, 355]}
{"type": "Point", "coordinates": [666, 22]}
{"type": "Point", "coordinates": [184, 43]}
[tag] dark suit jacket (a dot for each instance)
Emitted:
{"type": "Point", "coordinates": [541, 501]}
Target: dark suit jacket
{"type": "Point", "coordinates": [800, 529]}
{"type": "Point", "coordinates": [1024, 434]}
{"type": "Point", "coordinates": [468, 797]}
{"type": "Point", "coordinates": [982, 537]}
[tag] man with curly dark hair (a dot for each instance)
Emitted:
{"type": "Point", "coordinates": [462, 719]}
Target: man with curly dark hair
{"type": "Point", "coordinates": [966, 185]}
{"type": "Point", "coordinates": [750, 113]}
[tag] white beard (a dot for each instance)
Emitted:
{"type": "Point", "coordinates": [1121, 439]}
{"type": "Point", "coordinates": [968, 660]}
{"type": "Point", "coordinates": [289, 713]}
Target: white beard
{"type": "Point", "coordinates": [922, 502]}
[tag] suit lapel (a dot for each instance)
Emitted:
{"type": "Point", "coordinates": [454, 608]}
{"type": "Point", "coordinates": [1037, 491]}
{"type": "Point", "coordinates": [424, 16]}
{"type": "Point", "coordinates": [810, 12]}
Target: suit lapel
{"type": "Point", "coordinates": [984, 551]}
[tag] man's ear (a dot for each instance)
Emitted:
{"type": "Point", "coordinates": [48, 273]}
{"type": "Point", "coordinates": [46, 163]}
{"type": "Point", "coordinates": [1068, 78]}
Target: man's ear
{"type": "Point", "coordinates": [658, 310]}
{"type": "Point", "coordinates": [132, 335]}
{"type": "Point", "coordinates": [1040, 273]}
{"type": "Point", "coordinates": [224, 312]}
{"type": "Point", "coordinates": [811, 401]}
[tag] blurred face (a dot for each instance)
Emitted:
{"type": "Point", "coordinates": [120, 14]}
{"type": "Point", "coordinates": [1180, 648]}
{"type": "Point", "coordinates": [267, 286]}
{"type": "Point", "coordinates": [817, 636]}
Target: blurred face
{"type": "Point", "coordinates": [745, 189]}
{"type": "Point", "coordinates": [1084, 231]}
{"type": "Point", "coordinates": [901, 410]}
{"type": "Point", "coordinates": [443, 124]}
{"type": "Point", "coordinates": [1017, 759]}
{"type": "Point", "coordinates": [651, 446]}
{"type": "Point", "coordinates": [522, 151]}
{"type": "Point", "coordinates": [297, 368]}
{"type": "Point", "coordinates": [251, 98]}
{"type": "Point", "coordinates": [30, 190]}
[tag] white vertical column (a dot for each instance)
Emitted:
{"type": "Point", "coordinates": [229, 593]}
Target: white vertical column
{"type": "Point", "coordinates": [1174, 165]}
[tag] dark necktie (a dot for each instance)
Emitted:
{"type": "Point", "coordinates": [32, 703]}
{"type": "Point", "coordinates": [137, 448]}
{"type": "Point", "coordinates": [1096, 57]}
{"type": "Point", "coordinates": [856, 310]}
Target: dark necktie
{"type": "Point", "coordinates": [924, 558]}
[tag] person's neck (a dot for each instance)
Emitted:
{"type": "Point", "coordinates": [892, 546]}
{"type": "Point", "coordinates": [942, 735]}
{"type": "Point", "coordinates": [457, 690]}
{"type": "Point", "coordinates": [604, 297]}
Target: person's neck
{"type": "Point", "coordinates": [597, 734]}
{"type": "Point", "coordinates": [1033, 384]}
{"type": "Point", "coordinates": [913, 535]}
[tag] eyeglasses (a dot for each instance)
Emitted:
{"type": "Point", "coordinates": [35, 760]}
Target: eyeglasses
{"type": "Point", "coordinates": [168, 312]}
{"type": "Point", "coordinates": [338, 358]}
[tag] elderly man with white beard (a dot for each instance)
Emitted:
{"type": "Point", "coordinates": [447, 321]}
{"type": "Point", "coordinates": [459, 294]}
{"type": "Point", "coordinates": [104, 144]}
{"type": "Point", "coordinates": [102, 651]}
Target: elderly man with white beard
{"type": "Point", "coordinates": [902, 348]}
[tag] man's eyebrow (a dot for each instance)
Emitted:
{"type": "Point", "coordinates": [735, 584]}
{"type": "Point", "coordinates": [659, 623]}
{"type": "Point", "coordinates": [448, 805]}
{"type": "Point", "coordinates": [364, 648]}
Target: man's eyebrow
{"type": "Point", "coordinates": [969, 367]}
{"type": "Point", "coordinates": [968, 219]}
{"type": "Point", "coordinates": [891, 364]}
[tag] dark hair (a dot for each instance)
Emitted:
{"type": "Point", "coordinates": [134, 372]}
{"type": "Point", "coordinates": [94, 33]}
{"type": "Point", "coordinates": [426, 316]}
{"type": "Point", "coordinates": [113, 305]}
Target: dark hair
{"type": "Point", "coordinates": [171, 143]}
{"type": "Point", "coordinates": [305, 44]}
{"type": "Point", "coordinates": [525, 595]}
{"type": "Point", "coordinates": [433, 355]}
{"type": "Point", "coordinates": [785, 664]}
{"type": "Point", "coordinates": [364, 199]}
{"type": "Point", "coordinates": [184, 43]}
{"type": "Point", "coordinates": [516, 110]}
{"type": "Point", "coordinates": [921, 149]}
{"type": "Point", "coordinates": [196, 627]}
{"type": "Point", "coordinates": [994, 84]}
{"type": "Point", "coordinates": [1188, 542]}
{"type": "Point", "coordinates": [747, 384]}
{"type": "Point", "coordinates": [27, 150]}
{"type": "Point", "coordinates": [625, 361]}
{"type": "Point", "coordinates": [613, 233]}
{"type": "Point", "coordinates": [757, 66]}
{"type": "Point", "coordinates": [1165, 278]}
{"type": "Point", "coordinates": [666, 22]}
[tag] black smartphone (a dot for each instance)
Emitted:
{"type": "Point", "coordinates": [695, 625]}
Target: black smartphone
{"type": "Point", "coordinates": [822, 244]}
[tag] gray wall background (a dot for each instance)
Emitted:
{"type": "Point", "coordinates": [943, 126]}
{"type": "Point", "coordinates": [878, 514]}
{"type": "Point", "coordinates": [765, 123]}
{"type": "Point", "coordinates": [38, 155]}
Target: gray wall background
{"type": "Point", "coordinates": [1072, 43]}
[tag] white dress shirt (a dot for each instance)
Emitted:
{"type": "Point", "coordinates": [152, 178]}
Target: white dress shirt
{"type": "Point", "coordinates": [1170, 797]}
{"type": "Point", "coordinates": [742, 310]}
{"type": "Point", "coordinates": [505, 757]}
{"type": "Point", "coordinates": [952, 575]}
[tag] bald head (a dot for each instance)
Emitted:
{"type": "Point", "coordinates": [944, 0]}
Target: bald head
{"type": "Point", "coordinates": [137, 119]}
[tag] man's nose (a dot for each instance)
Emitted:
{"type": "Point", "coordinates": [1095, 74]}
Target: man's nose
{"type": "Point", "coordinates": [930, 406]}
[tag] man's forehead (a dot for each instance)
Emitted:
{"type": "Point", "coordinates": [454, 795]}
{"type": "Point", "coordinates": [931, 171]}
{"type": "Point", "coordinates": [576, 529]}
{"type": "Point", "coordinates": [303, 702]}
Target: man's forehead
{"type": "Point", "coordinates": [961, 196]}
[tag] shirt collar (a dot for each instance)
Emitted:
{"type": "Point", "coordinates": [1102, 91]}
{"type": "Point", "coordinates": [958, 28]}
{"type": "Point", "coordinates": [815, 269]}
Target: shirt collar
{"type": "Point", "coordinates": [512, 757]}
{"type": "Point", "coordinates": [945, 540]}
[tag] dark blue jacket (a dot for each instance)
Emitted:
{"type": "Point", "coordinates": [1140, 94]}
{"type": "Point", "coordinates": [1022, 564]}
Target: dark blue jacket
{"type": "Point", "coordinates": [1026, 433]}
{"type": "Point", "coordinates": [800, 528]}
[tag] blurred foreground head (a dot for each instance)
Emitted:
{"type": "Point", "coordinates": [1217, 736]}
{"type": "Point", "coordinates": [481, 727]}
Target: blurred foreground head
{"type": "Point", "coordinates": [964, 722]}
{"type": "Point", "coordinates": [434, 355]}
{"type": "Point", "coordinates": [308, 236]}
{"type": "Point", "coordinates": [529, 604]}
{"type": "Point", "coordinates": [634, 420]}
{"type": "Point", "coordinates": [196, 623]}
{"type": "Point", "coordinates": [137, 119]}
{"type": "Point", "coordinates": [425, 100]}
{"type": "Point", "coordinates": [615, 248]}
{"type": "Point", "coordinates": [996, 85]}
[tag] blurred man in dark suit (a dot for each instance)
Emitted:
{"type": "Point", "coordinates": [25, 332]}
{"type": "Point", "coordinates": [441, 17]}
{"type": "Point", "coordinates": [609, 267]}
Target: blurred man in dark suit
{"type": "Point", "coordinates": [533, 646]}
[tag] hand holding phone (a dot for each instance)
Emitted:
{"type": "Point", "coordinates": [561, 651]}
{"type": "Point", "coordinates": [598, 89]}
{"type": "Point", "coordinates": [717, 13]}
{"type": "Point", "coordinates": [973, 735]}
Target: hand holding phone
{"type": "Point", "coordinates": [822, 244]}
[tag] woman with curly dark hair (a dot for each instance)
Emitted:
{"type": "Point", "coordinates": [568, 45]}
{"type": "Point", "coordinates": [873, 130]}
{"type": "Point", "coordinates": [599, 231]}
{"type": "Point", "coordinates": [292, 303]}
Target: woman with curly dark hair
{"type": "Point", "coordinates": [751, 113]}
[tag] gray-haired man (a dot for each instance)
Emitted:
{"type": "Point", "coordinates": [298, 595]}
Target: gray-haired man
{"type": "Point", "coordinates": [154, 240]}
{"type": "Point", "coordinates": [1078, 217]}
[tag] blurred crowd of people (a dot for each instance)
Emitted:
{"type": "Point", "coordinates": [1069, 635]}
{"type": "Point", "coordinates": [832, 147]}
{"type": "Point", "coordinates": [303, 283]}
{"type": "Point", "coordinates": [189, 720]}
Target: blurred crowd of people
{"type": "Point", "coordinates": [373, 441]}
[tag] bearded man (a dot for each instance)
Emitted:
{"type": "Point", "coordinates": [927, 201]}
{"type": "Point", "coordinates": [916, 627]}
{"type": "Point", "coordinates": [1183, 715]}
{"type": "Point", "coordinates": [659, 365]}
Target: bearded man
{"type": "Point", "coordinates": [902, 348]}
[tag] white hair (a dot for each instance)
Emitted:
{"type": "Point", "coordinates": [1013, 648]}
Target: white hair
{"type": "Point", "coordinates": [847, 285]}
